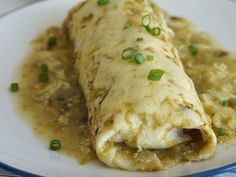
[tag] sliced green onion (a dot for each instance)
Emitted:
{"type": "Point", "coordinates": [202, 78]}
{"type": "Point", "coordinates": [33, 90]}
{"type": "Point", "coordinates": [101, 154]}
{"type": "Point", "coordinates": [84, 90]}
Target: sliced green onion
{"type": "Point", "coordinates": [156, 31]}
{"type": "Point", "coordinates": [60, 98]}
{"type": "Point", "coordinates": [225, 103]}
{"type": "Point", "coordinates": [193, 49]}
{"type": "Point", "coordinates": [220, 132]}
{"type": "Point", "coordinates": [44, 67]}
{"type": "Point", "coordinates": [149, 57]}
{"type": "Point", "coordinates": [102, 2]}
{"type": "Point", "coordinates": [146, 20]}
{"type": "Point", "coordinates": [52, 41]}
{"type": "Point", "coordinates": [127, 25]}
{"type": "Point", "coordinates": [148, 28]}
{"type": "Point", "coordinates": [55, 145]}
{"type": "Point", "coordinates": [139, 39]}
{"type": "Point", "coordinates": [14, 87]}
{"type": "Point", "coordinates": [139, 58]}
{"type": "Point", "coordinates": [155, 74]}
{"type": "Point", "coordinates": [43, 78]}
{"type": "Point", "coordinates": [128, 53]}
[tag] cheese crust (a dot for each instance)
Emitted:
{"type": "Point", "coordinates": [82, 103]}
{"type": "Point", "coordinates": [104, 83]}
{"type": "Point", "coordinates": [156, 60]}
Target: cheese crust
{"type": "Point", "coordinates": [135, 123]}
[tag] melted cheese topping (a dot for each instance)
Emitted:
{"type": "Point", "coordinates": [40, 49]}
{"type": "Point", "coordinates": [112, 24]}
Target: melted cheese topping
{"type": "Point", "coordinates": [123, 105]}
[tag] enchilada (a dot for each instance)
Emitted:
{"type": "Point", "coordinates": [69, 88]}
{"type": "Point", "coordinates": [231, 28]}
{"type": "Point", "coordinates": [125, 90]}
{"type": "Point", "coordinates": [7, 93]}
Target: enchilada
{"type": "Point", "coordinates": [144, 112]}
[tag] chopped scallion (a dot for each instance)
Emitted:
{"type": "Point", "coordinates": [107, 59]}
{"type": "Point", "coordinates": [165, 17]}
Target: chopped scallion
{"type": "Point", "coordinates": [225, 103]}
{"type": "Point", "coordinates": [139, 58]}
{"type": "Point", "coordinates": [193, 49]}
{"type": "Point", "coordinates": [140, 39]}
{"type": "Point", "coordinates": [155, 31]}
{"type": "Point", "coordinates": [55, 145]}
{"type": "Point", "coordinates": [102, 2]}
{"type": "Point", "coordinates": [52, 41]}
{"type": "Point", "coordinates": [44, 67]}
{"type": "Point", "coordinates": [148, 28]}
{"type": "Point", "coordinates": [146, 20]}
{"type": "Point", "coordinates": [155, 74]}
{"type": "Point", "coordinates": [128, 53]}
{"type": "Point", "coordinates": [146, 23]}
{"type": "Point", "coordinates": [14, 87]}
{"type": "Point", "coordinates": [220, 132]}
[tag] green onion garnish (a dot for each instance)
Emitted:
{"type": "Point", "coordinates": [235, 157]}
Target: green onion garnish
{"type": "Point", "coordinates": [52, 41]}
{"type": "Point", "coordinates": [139, 58]}
{"type": "Point", "coordinates": [102, 2]}
{"type": "Point", "coordinates": [225, 103]}
{"type": "Point", "coordinates": [148, 28]}
{"type": "Point", "coordinates": [140, 39]}
{"type": "Point", "coordinates": [60, 98]}
{"type": "Point", "coordinates": [155, 74]}
{"type": "Point", "coordinates": [43, 78]}
{"type": "Point", "coordinates": [127, 25]}
{"type": "Point", "coordinates": [44, 67]}
{"type": "Point", "coordinates": [155, 31]}
{"type": "Point", "coordinates": [128, 53]}
{"type": "Point", "coordinates": [193, 49]}
{"type": "Point", "coordinates": [149, 57]}
{"type": "Point", "coordinates": [146, 20]}
{"type": "Point", "coordinates": [14, 87]}
{"type": "Point", "coordinates": [220, 132]}
{"type": "Point", "coordinates": [55, 145]}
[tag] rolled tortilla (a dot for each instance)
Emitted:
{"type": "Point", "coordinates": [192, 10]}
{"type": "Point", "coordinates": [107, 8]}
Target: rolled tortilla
{"type": "Point", "coordinates": [136, 123]}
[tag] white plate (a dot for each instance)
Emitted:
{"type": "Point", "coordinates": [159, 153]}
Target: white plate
{"type": "Point", "coordinates": [20, 149]}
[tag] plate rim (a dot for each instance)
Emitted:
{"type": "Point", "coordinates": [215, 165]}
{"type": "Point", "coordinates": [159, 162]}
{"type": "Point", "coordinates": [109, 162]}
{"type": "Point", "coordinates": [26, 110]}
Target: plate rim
{"type": "Point", "coordinates": [20, 8]}
{"type": "Point", "coordinates": [17, 171]}
{"type": "Point", "coordinates": [206, 173]}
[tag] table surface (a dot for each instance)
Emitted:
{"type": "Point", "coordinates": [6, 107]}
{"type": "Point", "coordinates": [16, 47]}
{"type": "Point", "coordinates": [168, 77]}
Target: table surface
{"type": "Point", "coordinates": [7, 6]}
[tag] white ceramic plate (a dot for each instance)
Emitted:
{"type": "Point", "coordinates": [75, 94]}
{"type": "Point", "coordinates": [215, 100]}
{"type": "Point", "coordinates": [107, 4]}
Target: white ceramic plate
{"type": "Point", "coordinates": [20, 149]}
